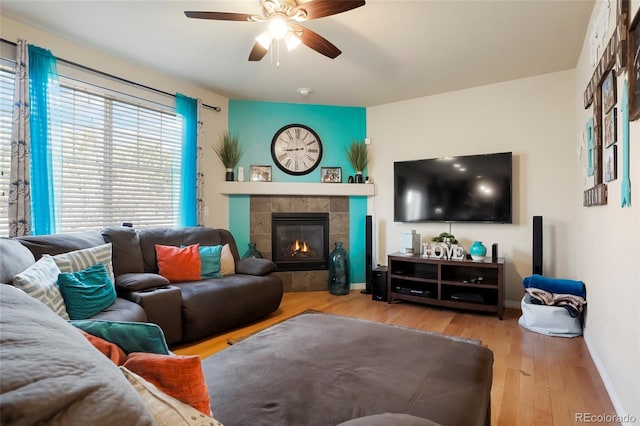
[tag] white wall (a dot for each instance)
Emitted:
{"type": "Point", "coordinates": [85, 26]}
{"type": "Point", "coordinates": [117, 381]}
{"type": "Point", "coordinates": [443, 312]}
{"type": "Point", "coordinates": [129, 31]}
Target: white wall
{"type": "Point", "coordinates": [607, 253]}
{"type": "Point", "coordinates": [535, 119]}
{"type": "Point", "coordinates": [214, 122]}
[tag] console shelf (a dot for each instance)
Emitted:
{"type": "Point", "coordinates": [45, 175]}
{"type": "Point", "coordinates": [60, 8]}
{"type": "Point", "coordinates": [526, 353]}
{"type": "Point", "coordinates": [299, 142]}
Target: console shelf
{"type": "Point", "coordinates": [462, 284]}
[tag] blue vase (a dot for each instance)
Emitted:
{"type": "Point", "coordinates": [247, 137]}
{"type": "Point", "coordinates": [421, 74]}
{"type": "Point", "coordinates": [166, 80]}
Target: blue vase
{"type": "Point", "coordinates": [252, 252]}
{"type": "Point", "coordinates": [477, 250]}
{"type": "Point", "coordinates": [339, 283]}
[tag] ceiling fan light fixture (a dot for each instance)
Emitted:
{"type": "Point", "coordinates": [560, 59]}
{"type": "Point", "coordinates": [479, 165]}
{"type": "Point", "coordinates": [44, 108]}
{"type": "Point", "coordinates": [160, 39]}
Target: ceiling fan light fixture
{"type": "Point", "coordinates": [292, 41]}
{"type": "Point", "coordinates": [278, 27]}
{"type": "Point", "coordinates": [265, 39]}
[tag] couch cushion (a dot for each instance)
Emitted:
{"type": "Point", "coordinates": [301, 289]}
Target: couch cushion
{"type": "Point", "coordinates": [127, 256]}
{"type": "Point", "coordinates": [210, 261]}
{"type": "Point", "coordinates": [255, 266]}
{"type": "Point", "coordinates": [227, 262]}
{"type": "Point", "coordinates": [108, 349]}
{"type": "Point", "coordinates": [14, 258]}
{"type": "Point", "coordinates": [52, 375]}
{"type": "Point", "coordinates": [40, 281]}
{"type": "Point", "coordinates": [214, 305]}
{"type": "Point", "coordinates": [86, 292]}
{"type": "Point", "coordinates": [60, 243]}
{"type": "Point", "coordinates": [141, 281]}
{"type": "Point", "coordinates": [130, 336]}
{"type": "Point", "coordinates": [77, 260]}
{"type": "Point", "coordinates": [179, 264]}
{"type": "Point", "coordinates": [178, 376]}
{"type": "Point", "coordinates": [149, 237]}
{"type": "Point", "coordinates": [166, 410]}
{"type": "Point", "coordinates": [122, 310]}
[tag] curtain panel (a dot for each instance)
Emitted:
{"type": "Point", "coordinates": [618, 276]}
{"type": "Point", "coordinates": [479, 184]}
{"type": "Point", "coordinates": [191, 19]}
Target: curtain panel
{"type": "Point", "coordinates": [188, 108]}
{"type": "Point", "coordinates": [43, 79]}
{"type": "Point", "coordinates": [19, 180]}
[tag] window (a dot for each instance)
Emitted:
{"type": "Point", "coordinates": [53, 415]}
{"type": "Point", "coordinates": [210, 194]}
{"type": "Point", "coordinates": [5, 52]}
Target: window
{"type": "Point", "coordinates": [7, 75]}
{"type": "Point", "coordinates": [115, 162]}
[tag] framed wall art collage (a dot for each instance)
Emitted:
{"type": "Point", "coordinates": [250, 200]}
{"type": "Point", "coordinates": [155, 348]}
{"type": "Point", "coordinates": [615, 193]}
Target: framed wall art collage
{"type": "Point", "coordinates": [613, 93]}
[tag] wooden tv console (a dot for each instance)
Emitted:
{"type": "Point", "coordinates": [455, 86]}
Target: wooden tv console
{"type": "Point", "coordinates": [463, 284]}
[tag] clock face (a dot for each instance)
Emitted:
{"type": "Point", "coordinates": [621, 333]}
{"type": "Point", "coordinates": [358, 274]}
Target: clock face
{"type": "Point", "coordinates": [296, 149]}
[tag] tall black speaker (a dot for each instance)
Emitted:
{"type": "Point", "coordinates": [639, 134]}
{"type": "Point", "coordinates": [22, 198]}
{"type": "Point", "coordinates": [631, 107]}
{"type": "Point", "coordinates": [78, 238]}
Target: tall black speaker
{"type": "Point", "coordinates": [537, 245]}
{"type": "Point", "coordinates": [368, 254]}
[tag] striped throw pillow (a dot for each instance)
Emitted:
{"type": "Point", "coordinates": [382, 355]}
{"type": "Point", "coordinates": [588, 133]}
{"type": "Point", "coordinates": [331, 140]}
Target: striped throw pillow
{"type": "Point", "coordinates": [79, 260]}
{"type": "Point", "coordinates": [40, 281]}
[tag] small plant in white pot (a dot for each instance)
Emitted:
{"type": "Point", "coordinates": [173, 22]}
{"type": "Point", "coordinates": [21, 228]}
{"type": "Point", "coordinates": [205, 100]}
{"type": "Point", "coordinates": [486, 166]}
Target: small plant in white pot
{"type": "Point", "coordinates": [229, 153]}
{"type": "Point", "coordinates": [357, 154]}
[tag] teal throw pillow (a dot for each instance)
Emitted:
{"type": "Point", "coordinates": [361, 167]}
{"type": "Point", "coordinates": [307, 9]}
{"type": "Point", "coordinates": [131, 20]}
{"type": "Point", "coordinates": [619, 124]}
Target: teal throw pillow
{"type": "Point", "coordinates": [86, 292]}
{"type": "Point", "coordinates": [210, 261]}
{"type": "Point", "coordinates": [130, 336]}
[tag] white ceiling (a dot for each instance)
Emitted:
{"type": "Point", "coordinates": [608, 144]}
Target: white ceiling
{"type": "Point", "coordinates": [391, 50]}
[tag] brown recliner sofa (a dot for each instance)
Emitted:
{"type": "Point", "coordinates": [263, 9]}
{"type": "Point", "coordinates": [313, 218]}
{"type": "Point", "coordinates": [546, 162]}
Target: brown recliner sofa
{"type": "Point", "coordinates": [185, 311]}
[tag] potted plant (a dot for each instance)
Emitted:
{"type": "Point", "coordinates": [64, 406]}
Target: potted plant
{"type": "Point", "coordinates": [445, 237]}
{"type": "Point", "coordinates": [357, 156]}
{"type": "Point", "coordinates": [229, 153]}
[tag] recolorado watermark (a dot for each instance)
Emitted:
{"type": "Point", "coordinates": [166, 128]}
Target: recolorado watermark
{"type": "Point", "coordinates": [604, 418]}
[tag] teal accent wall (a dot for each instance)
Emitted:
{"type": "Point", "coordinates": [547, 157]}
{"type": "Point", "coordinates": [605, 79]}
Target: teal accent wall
{"type": "Point", "coordinates": [255, 123]}
{"type": "Point", "coordinates": [357, 213]}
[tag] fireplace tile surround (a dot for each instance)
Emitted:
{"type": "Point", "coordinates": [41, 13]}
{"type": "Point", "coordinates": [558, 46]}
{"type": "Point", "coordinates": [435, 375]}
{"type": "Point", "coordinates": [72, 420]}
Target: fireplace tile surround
{"type": "Point", "coordinates": [261, 207]}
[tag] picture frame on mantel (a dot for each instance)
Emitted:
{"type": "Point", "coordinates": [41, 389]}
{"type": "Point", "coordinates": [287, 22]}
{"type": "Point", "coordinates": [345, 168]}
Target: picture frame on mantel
{"type": "Point", "coordinates": [633, 67]}
{"type": "Point", "coordinates": [331, 175]}
{"type": "Point", "coordinates": [260, 173]}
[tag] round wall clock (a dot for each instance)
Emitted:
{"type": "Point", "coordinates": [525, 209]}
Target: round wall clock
{"type": "Point", "coordinates": [296, 149]}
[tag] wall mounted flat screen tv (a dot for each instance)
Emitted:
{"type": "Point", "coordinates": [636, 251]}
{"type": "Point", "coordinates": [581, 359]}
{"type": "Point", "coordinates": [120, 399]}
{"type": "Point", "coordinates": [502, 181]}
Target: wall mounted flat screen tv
{"type": "Point", "coordinates": [471, 188]}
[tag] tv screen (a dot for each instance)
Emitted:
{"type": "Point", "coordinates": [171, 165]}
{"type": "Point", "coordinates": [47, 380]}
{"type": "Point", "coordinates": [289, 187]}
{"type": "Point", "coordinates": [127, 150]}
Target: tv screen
{"type": "Point", "coordinates": [471, 188]}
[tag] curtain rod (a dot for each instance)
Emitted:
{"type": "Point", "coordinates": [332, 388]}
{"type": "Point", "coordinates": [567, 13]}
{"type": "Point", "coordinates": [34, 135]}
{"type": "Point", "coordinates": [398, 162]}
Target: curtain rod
{"type": "Point", "coordinates": [115, 77]}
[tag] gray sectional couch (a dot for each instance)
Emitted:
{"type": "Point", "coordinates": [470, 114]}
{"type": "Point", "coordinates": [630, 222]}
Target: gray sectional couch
{"type": "Point", "coordinates": [185, 311]}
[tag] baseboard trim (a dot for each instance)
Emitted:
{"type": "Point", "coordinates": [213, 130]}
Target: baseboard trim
{"type": "Point", "coordinates": [358, 286]}
{"type": "Point", "coordinates": [608, 384]}
{"type": "Point", "coordinates": [513, 304]}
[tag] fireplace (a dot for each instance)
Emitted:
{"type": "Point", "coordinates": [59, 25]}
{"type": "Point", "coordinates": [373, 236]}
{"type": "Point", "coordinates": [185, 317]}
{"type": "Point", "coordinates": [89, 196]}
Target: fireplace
{"type": "Point", "coordinates": [300, 241]}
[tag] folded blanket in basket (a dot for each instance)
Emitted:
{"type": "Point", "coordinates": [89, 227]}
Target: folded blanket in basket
{"type": "Point", "coordinates": [570, 302]}
{"type": "Point", "coordinates": [555, 285]}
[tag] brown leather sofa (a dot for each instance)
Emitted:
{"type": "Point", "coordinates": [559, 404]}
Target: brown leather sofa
{"type": "Point", "coordinates": [185, 311]}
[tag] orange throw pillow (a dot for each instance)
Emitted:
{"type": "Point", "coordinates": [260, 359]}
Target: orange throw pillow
{"type": "Point", "coordinates": [178, 376]}
{"type": "Point", "coordinates": [179, 264]}
{"type": "Point", "coordinates": [110, 350]}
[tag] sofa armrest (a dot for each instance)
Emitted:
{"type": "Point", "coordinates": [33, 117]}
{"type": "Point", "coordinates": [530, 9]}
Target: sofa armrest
{"type": "Point", "coordinates": [163, 307]}
{"type": "Point", "coordinates": [138, 281]}
{"type": "Point", "coordinates": [254, 266]}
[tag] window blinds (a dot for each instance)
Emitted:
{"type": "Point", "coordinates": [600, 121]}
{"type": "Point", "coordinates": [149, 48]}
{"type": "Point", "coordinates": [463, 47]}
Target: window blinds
{"type": "Point", "coordinates": [115, 161]}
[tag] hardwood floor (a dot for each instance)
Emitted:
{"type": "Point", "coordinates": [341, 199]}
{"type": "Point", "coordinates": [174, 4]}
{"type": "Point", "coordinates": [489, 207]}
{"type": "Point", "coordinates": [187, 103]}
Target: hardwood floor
{"type": "Point", "coordinates": [537, 380]}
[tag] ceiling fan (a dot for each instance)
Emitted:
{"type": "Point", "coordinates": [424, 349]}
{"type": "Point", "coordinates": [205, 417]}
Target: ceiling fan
{"type": "Point", "coordinates": [284, 17]}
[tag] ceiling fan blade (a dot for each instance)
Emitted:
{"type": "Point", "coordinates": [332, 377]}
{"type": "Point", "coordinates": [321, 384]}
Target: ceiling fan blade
{"type": "Point", "coordinates": [258, 52]}
{"type": "Point", "coordinates": [321, 8]}
{"type": "Point", "coordinates": [316, 42]}
{"type": "Point", "coordinates": [220, 16]}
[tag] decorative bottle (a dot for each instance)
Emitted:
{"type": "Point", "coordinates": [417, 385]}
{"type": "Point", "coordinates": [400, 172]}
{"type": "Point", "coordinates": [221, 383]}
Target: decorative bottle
{"type": "Point", "coordinates": [339, 283]}
{"type": "Point", "coordinates": [477, 250]}
{"type": "Point", "coordinates": [252, 252]}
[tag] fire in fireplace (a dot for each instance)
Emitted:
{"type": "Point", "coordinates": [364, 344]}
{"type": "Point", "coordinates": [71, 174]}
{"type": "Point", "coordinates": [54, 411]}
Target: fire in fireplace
{"type": "Point", "coordinates": [300, 241]}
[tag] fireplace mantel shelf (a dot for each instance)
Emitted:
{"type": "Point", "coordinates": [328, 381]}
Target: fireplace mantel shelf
{"type": "Point", "coordinates": [297, 188]}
